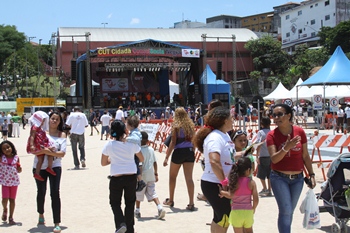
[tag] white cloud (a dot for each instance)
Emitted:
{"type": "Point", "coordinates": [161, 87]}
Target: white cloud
{"type": "Point", "coordinates": [110, 15]}
{"type": "Point", "coordinates": [135, 21]}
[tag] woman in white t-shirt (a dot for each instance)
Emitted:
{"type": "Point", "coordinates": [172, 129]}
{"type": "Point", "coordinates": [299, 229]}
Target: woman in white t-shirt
{"type": "Point", "coordinates": [120, 155]}
{"type": "Point", "coordinates": [58, 137]}
{"type": "Point", "coordinates": [218, 150]}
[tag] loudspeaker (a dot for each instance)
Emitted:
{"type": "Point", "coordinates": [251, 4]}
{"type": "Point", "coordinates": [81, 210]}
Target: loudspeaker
{"type": "Point", "coordinates": [218, 70]}
{"type": "Point", "coordinates": [73, 69]}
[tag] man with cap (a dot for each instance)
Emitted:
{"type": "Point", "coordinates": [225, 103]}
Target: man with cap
{"type": "Point", "coordinates": [119, 115]}
{"type": "Point", "coordinates": [78, 122]}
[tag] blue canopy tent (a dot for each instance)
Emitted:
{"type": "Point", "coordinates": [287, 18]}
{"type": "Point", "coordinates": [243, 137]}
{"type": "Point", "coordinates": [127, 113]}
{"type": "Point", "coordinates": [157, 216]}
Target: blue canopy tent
{"type": "Point", "coordinates": [210, 86]}
{"type": "Point", "coordinates": [335, 72]}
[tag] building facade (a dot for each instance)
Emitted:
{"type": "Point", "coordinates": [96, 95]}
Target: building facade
{"type": "Point", "coordinates": [301, 24]}
{"type": "Point", "coordinates": [258, 23]}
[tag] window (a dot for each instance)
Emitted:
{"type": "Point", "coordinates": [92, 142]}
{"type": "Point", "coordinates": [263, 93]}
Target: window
{"type": "Point", "coordinates": [262, 17]}
{"type": "Point", "coordinates": [288, 34]}
{"type": "Point", "coordinates": [300, 12]}
{"type": "Point", "coordinates": [312, 22]}
{"type": "Point", "coordinates": [326, 3]}
{"type": "Point", "coordinates": [327, 17]}
{"type": "Point", "coordinates": [311, 6]}
{"type": "Point", "coordinates": [287, 16]}
{"type": "Point", "coordinates": [313, 34]}
{"type": "Point", "coordinates": [316, 4]}
{"type": "Point", "coordinates": [254, 19]}
{"type": "Point", "coordinates": [300, 31]}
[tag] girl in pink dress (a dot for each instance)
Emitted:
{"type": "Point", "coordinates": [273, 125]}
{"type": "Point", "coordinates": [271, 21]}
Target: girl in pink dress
{"type": "Point", "coordinates": [9, 179]}
{"type": "Point", "coordinates": [38, 140]}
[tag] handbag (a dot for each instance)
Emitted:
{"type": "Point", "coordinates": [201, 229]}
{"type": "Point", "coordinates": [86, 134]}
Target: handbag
{"type": "Point", "coordinates": [167, 140]}
{"type": "Point", "coordinates": [311, 211]}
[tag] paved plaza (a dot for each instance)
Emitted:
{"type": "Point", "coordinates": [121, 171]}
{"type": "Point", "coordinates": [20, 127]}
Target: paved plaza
{"type": "Point", "coordinates": [85, 203]}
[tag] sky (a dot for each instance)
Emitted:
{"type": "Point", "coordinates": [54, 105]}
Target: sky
{"type": "Point", "coordinates": [41, 18]}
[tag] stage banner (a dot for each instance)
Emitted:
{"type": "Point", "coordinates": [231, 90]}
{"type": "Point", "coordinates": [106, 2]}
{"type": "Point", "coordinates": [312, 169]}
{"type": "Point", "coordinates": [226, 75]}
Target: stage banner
{"type": "Point", "coordinates": [190, 53]}
{"type": "Point", "coordinates": [114, 84]}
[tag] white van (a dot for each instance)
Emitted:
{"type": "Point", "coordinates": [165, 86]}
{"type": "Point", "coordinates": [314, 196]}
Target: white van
{"type": "Point", "coordinates": [30, 110]}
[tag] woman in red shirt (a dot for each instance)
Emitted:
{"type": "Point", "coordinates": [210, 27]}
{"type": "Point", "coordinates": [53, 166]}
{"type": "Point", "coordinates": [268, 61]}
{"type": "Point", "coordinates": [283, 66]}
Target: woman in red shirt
{"type": "Point", "coordinates": [287, 146]}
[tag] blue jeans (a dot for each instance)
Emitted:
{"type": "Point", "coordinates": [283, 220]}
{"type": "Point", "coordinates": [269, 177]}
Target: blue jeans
{"type": "Point", "coordinates": [287, 192]}
{"type": "Point", "coordinates": [75, 139]}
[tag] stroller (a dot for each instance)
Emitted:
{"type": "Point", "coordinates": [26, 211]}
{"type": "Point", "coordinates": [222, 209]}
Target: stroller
{"type": "Point", "coordinates": [333, 193]}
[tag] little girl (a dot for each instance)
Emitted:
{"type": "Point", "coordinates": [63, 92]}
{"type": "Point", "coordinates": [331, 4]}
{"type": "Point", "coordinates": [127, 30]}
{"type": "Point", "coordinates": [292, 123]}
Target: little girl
{"type": "Point", "coordinates": [9, 169]}
{"type": "Point", "coordinates": [241, 188]}
{"type": "Point", "coordinates": [240, 139]}
{"type": "Point", "coordinates": [38, 140]}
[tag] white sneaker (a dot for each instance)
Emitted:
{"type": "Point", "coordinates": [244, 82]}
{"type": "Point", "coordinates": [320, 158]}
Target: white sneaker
{"type": "Point", "coordinates": [137, 214]}
{"type": "Point", "coordinates": [161, 214]}
{"type": "Point", "coordinates": [121, 229]}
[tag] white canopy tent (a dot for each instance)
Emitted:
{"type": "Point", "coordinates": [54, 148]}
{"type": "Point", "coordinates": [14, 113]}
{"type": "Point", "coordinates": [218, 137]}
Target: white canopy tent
{"type": "Point", "coordinates": [72, 87]}
{"type": "Point", "coordinates": [173, 88]}
{"type": "Point", "coordinates": [280, 92]}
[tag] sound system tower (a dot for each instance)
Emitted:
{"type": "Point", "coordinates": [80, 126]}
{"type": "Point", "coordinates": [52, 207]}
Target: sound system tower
{"type": "Point", "coordinates": [218, 70]}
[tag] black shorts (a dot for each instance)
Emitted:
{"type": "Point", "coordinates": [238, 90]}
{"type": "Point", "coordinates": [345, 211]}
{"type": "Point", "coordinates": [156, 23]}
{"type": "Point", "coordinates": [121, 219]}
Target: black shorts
{"type": "Point", "coordinates": [183, 155]}
{"type": "Point", "coordinates": [264, 168]}
{"type": "Point", "coordinates": [92, 123]}
{"type": "Point", "coordinates": [221, 206]}
{"type": "Point", "coordinates": [4, 133]}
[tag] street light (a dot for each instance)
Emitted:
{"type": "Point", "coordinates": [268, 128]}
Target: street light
{"type": "Point", "coordinates": [29, 38]}
{"type": "Point", "coordinates": [39, 65]}
{"type": "Point", "coordinates": [104, 25]}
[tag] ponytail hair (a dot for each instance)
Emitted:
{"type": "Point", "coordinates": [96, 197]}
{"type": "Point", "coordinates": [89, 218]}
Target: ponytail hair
{"type": "Point", "coordinates": [238, 170]}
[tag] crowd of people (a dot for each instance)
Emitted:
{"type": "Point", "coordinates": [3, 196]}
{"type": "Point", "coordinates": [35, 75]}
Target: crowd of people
{"type": "Point", "coordinates": [227, 182]}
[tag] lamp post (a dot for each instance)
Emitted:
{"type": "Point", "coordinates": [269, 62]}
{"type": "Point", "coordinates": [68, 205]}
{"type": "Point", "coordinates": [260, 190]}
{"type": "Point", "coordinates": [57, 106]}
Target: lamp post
{"type": "Point", "coordinates": [29, 38]}
{"type": "Point", "coordinates": [39, 65]}
{"type": "Point", "coordinates": [104, 25]}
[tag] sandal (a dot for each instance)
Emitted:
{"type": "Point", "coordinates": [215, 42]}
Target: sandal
{"type": "Point", "coordinates": [190, 207]}
{"type": "Point", "coordinates": [11, 221]}
{"type": "Point", "coordinates": [168, 202]}
{"type": "Point", "coordinates": [4, 215]}
{"type": "Point", "coordinates": [57, 229]}
{"type": "Point", "coordinates": [41, 221]}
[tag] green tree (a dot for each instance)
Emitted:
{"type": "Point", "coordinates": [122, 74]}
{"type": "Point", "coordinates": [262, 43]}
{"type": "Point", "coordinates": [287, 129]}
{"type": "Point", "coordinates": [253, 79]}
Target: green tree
{"type": "Point", "coordinates": [330, 38]}
{"type": "Point", "coordinates": [267, 53]}
{"type": "Point", "coordinates": [10, 41]}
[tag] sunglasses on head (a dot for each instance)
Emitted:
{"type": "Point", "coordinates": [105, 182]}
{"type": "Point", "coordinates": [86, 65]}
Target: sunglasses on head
{"type": "Point", "coordinates": [238, 133]}
{"type": "Point", "coordinates": [278, 114]}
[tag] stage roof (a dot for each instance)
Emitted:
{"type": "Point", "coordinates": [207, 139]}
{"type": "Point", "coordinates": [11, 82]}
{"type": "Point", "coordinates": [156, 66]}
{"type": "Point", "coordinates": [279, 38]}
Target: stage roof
{"type": "Point", "coordinates": [161, 34]}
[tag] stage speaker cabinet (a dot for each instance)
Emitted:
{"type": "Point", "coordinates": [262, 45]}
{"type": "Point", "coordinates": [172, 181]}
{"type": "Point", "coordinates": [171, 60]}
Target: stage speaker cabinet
{"type": "Point", "coordinates": [204, 109]}
{"type": "Point", "coordinates": [218, 70]}
{"type": "Point", "coordinates": [73, 69]}
{"type": "Point", "coordinates": [223, 97]}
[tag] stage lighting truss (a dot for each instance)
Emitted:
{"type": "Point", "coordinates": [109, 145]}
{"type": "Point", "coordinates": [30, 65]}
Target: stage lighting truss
{"type": "Point", "coordinates": [147, 67]}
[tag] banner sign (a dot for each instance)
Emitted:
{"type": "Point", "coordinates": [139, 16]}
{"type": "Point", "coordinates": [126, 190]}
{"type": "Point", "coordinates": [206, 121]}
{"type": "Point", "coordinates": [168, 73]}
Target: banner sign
{"type": "Point", "coordinates": [114, 84]}
{"type": "Point", "coordinates": [151, 130]}
{"type": "Point", "coordinates": [166, 52]}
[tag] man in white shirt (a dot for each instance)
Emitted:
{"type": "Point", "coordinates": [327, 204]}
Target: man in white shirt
{"type": "Point", "coordinates": [340, 119]}
{"type": "Point", "coordinates": [78, 122]}
{"type": "Point", "coordinates": [119, 115]}
{"type": "Point", "coordinates": [347, 112]}
{"type": "Point", "coordinates": [105, 121]}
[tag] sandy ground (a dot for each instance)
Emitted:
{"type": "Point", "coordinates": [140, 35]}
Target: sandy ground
{"type": "Point", "coordinates": [85, 203]}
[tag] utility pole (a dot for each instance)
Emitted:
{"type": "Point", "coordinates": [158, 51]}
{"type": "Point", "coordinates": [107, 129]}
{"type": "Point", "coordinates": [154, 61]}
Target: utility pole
{"type": "Point", "coordinates": [29, 38]}
{"type": "Point", "coordinates": [39, 67]}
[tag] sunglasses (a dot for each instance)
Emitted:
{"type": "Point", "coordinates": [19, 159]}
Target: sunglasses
{"type": "Point", "coordinates": [238, 133]}
{"type": "Point", "coordinates": [279, 114]}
